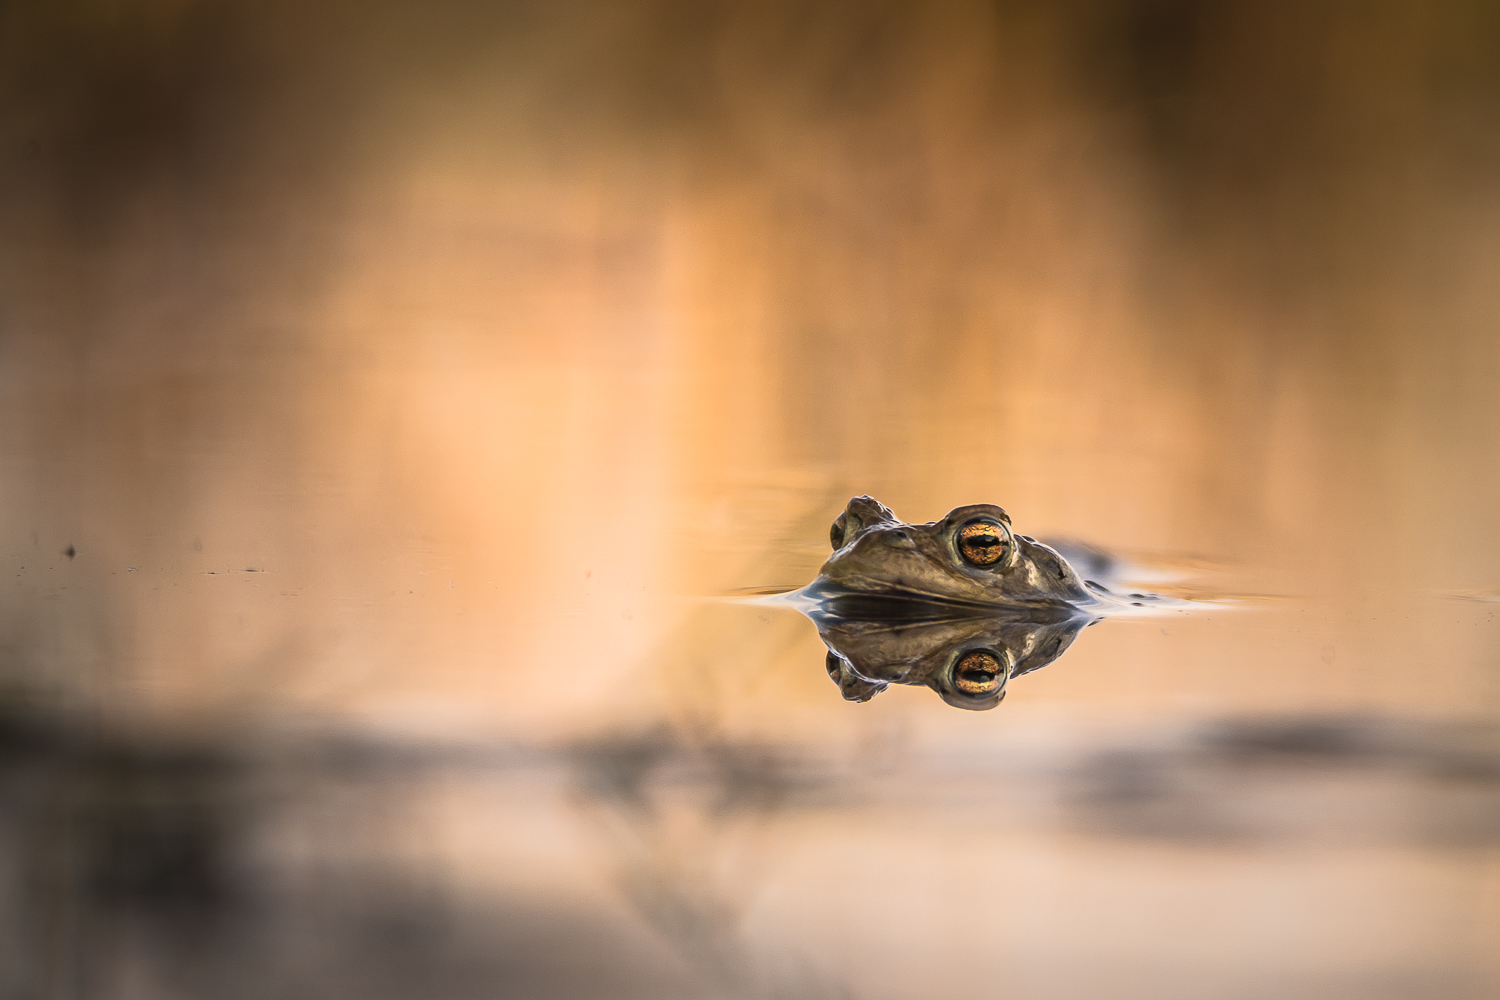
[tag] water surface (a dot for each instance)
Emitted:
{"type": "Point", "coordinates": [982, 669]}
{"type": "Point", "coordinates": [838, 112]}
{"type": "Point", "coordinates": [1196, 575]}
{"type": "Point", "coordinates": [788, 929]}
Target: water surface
{"type": "Point", "coordinates": [389, 396]}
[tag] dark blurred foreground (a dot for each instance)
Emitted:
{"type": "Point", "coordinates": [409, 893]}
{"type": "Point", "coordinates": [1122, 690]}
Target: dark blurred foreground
{"type": "Point", "coordinates": [315, 865]}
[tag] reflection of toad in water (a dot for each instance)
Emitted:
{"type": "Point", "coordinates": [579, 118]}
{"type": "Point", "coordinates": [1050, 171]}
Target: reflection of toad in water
{"type": "Point", "coordinates": [961, 604]}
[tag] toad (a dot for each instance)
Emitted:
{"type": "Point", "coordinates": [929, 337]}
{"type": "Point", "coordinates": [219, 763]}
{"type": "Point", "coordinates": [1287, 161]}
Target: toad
{"type": "Point", "coordinates": [960, 605]}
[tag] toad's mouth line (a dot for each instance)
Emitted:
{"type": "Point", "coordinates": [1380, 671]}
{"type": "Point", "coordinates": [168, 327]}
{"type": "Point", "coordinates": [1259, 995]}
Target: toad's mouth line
{"type": "Point", "coordinates": [903, 603]}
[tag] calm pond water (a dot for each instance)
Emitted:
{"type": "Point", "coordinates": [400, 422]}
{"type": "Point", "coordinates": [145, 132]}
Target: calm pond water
{"type": "Point", "coordinates": [401, 405]}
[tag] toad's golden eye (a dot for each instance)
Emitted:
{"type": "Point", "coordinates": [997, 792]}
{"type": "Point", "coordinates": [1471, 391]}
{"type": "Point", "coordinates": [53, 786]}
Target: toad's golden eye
{"type": "Point", "coordinates": [982, 543]}
{"type": "Point", "coordinates": [978, 673]}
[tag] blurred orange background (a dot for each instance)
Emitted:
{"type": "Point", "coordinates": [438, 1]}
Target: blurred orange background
{"type": "Point", "coordinates": [440, 366]}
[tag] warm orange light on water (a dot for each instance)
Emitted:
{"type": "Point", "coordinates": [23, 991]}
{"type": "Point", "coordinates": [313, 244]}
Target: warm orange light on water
{"type": "Point", "coordinates": [436, 369]}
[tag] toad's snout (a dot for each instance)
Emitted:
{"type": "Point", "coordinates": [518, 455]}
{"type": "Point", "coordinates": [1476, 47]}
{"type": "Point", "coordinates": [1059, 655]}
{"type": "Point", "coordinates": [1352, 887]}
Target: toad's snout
{"type": "Point", "coordinates": [882, 554]}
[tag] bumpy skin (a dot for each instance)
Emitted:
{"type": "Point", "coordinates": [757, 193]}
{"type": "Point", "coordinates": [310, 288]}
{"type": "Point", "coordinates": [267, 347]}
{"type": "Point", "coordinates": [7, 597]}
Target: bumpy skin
{"type": "Point", "coordinates": [867, 655]}
{"type": "Point", "coordinates": [899, 603]}
{"type": "Point", "coordinates": [876, 554]}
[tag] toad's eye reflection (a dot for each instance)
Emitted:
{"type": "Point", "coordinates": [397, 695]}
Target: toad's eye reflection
{"type": "Point", "coordinates": [902, 603]}
{"type": "Point", "coordinates": [982, 543]}
{"type": "Point", "coordinates": [978, 673]}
